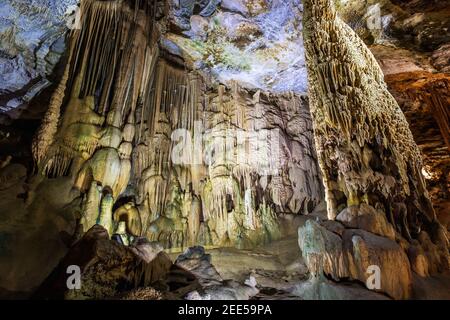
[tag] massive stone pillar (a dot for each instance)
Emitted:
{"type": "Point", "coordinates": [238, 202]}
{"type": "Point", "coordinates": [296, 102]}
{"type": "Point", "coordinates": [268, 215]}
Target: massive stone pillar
{"type": "Point", "coordinates": [370, 164]}
{"type": "Point", "coordinates": [366, 151]}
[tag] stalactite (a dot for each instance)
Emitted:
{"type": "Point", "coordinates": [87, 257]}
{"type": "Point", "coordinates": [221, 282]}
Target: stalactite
{"type": "Point", "coordinates": [124, 100]}
{"type": "Point", "coordinates": [49, 126]}
{"type": "Point", "coordinates": [105, 217]}
{"type": "Point", "coordinates": [367, 154]}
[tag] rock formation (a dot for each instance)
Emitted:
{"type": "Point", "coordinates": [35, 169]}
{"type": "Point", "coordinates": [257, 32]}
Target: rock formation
{"type": "Point", "coordinates": [141, 271]}
{"type": "Point", "coordinates": [424, 98]}
{"type": "Point", "coordinates": [201, 163]}
{"type": "Point", "coordinates": [370, 164]}
{"type": "Point", "coordinates": [32, 38]}
{"type": "Point", "coordinates": [107, 268]}
{"type": "Point", "coordinates": [185, 126]}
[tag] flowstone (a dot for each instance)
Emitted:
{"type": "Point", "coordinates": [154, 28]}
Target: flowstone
{"type": "Point", "coordinates": [129, 125]}
{"type": "Point", "coordinates": [370, 164]}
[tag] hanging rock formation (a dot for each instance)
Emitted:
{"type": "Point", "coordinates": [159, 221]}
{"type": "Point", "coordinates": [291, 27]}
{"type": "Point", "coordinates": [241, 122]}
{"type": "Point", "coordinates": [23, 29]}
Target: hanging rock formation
{"type": "Point", "coordinates": [178, 124]}
{"type": "Point", "coordinates": [370, 164]}
{"type": "Point", "coordinates": [196, 162]}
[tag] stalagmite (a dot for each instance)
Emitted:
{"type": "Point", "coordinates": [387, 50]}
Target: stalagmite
{"type": "Point", "coordinates": [46, 134]}
{"type": "Point", "coordinates": [185, 126]}
{"type": "Point", "coordinates": [368, 159]}
{"type": "Point", "coordinates": [105, 216]}
{"type": "Point", "coordinates": [91, 207]}
{"type": "Point", "coordinates": [129, 214]}
{"type": "Point", "coordinates": [353, 111]}
{"type": "Point", "coordinates": [122, 101]}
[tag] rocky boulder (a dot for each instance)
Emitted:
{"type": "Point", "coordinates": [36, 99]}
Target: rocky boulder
{"type": "Point", "coordinates": [355, 255]}
{"type": "Point", "coordinates": [107, 268]}
{"type": "Point", "coordinates": [366, 252]}
{"type": "Point", "coordinates": [197, 262]}
{"type": "Point", "coordinates": [322, 250]}
{"type": "Point", "coordinates": [180, 11]}
{"type": "Point", "coordinates": [441, 58]}
{"type": "Point", "coordinates": [245, 7]}
{"type": "Point", "coordinates": [367, 218]}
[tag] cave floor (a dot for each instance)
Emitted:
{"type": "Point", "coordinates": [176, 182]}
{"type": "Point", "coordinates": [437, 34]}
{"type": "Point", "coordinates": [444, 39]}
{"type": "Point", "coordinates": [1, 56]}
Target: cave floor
{"type": "Point", "coordinates": [277, 267]}
{"type": "Point", "coordinates": [281, 274]}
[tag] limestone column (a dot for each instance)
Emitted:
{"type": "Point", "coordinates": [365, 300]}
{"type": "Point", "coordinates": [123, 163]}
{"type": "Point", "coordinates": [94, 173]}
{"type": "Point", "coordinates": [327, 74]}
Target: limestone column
{"type": "Point", "coordinates": [366, 151]}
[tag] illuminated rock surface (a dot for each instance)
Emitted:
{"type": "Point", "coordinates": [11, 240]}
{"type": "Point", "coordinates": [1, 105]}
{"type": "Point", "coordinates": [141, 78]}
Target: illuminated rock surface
{"type": "Point", "coordinates": [369, 159]}
{"type": "Point", "coordinates": [147, 126]}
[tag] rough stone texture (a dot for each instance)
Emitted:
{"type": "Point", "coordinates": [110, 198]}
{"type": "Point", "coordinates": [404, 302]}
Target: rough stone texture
{"type": "Point", "coordinates": [220, 190]}
{"type": "Point", "coordinates": [107, 268]}
{"type": "Point", "coordinates": [32, 41]}
{"type": "Point", "coordinates": [36, 230]}
{"type": "Point", "coordinates": [322, 251]}
{"type": "Point", "coordinates": [366, 151]}
{"type": "Point", "coordinates": [367, 155]}
{"type": "Point", "coordinates": [396, 60]}
{"type": "Point", "coordinates": [421, 24]}
{"type": "Point", "coordinates": [196, 261]}
{"type": "Point", "coordinates": [364, 249]}
{"type": "Point", "coordinates": [256, 43]}
{"type": "Point", "coordinates": [180, 11]}
{"type": "Point", "coordinates": [351, 255]}
{"type": "Point", "coordinates": [323, 289]}
{"type": "Point", "coordinates": [424, 98]}
{"type": "Point", "coordinates": [245, 7]}
{"type": "Point", "coordinates": [441, 58]}
{"type": "Point", "coordinates": [411, 45]}
{"type": "Point", "coordinates": [367, 218]}
{"type": "Point", "coordinates": [244, 61]}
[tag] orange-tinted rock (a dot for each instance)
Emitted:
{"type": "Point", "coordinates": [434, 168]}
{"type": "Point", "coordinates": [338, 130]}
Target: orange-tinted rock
{"type": "Point", "coordinates": [424, 98]}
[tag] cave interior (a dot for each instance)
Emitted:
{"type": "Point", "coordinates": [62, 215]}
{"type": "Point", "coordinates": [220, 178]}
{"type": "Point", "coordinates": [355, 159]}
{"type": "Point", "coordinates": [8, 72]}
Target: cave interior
{"type": "Point", "coordinates": [225, 149]}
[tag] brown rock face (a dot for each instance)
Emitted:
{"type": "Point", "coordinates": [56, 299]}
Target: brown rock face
{"type": "Point", "coordinates": [107, 269]}
{"type": "Point", "coordinates": [421, 4]}
{"type": "Point", "coordinates": [424, 98]}
{"type": "Point", "coordinates": [441, 58]}
{"type": "Point", "coordinates": [353, 254]}
{"type": "Point", "coordinates": [367, 218]}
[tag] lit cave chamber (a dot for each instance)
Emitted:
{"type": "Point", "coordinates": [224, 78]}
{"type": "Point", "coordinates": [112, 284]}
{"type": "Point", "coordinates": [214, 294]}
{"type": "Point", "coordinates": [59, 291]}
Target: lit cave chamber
{"type": "Point", "coordinates": [225, 149]}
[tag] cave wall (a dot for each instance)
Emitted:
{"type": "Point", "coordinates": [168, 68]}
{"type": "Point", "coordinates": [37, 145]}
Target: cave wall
{"type": "Point", "coordinates": [111, 125]}
{"type": "Point", "coordinates": [105, 145]}
{"type": "Point", "coordinates": [412, 48]}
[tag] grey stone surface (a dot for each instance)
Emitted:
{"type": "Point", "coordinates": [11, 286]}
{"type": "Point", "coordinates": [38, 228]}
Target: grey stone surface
{"type": "Point", "coordinates": [31, 43]}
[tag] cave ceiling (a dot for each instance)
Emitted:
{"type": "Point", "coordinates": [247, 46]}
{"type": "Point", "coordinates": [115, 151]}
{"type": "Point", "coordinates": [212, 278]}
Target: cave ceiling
{"type": "Point", "coordinates": [165, 125]}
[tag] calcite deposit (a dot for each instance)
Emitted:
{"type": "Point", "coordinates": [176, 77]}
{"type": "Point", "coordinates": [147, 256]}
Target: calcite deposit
{"type": "Point", "coordinates": [370, 164]}
{"type": "Point", "coordinates": [122, 129]}
{"type": "Point", "coordinates": [233, 149]}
